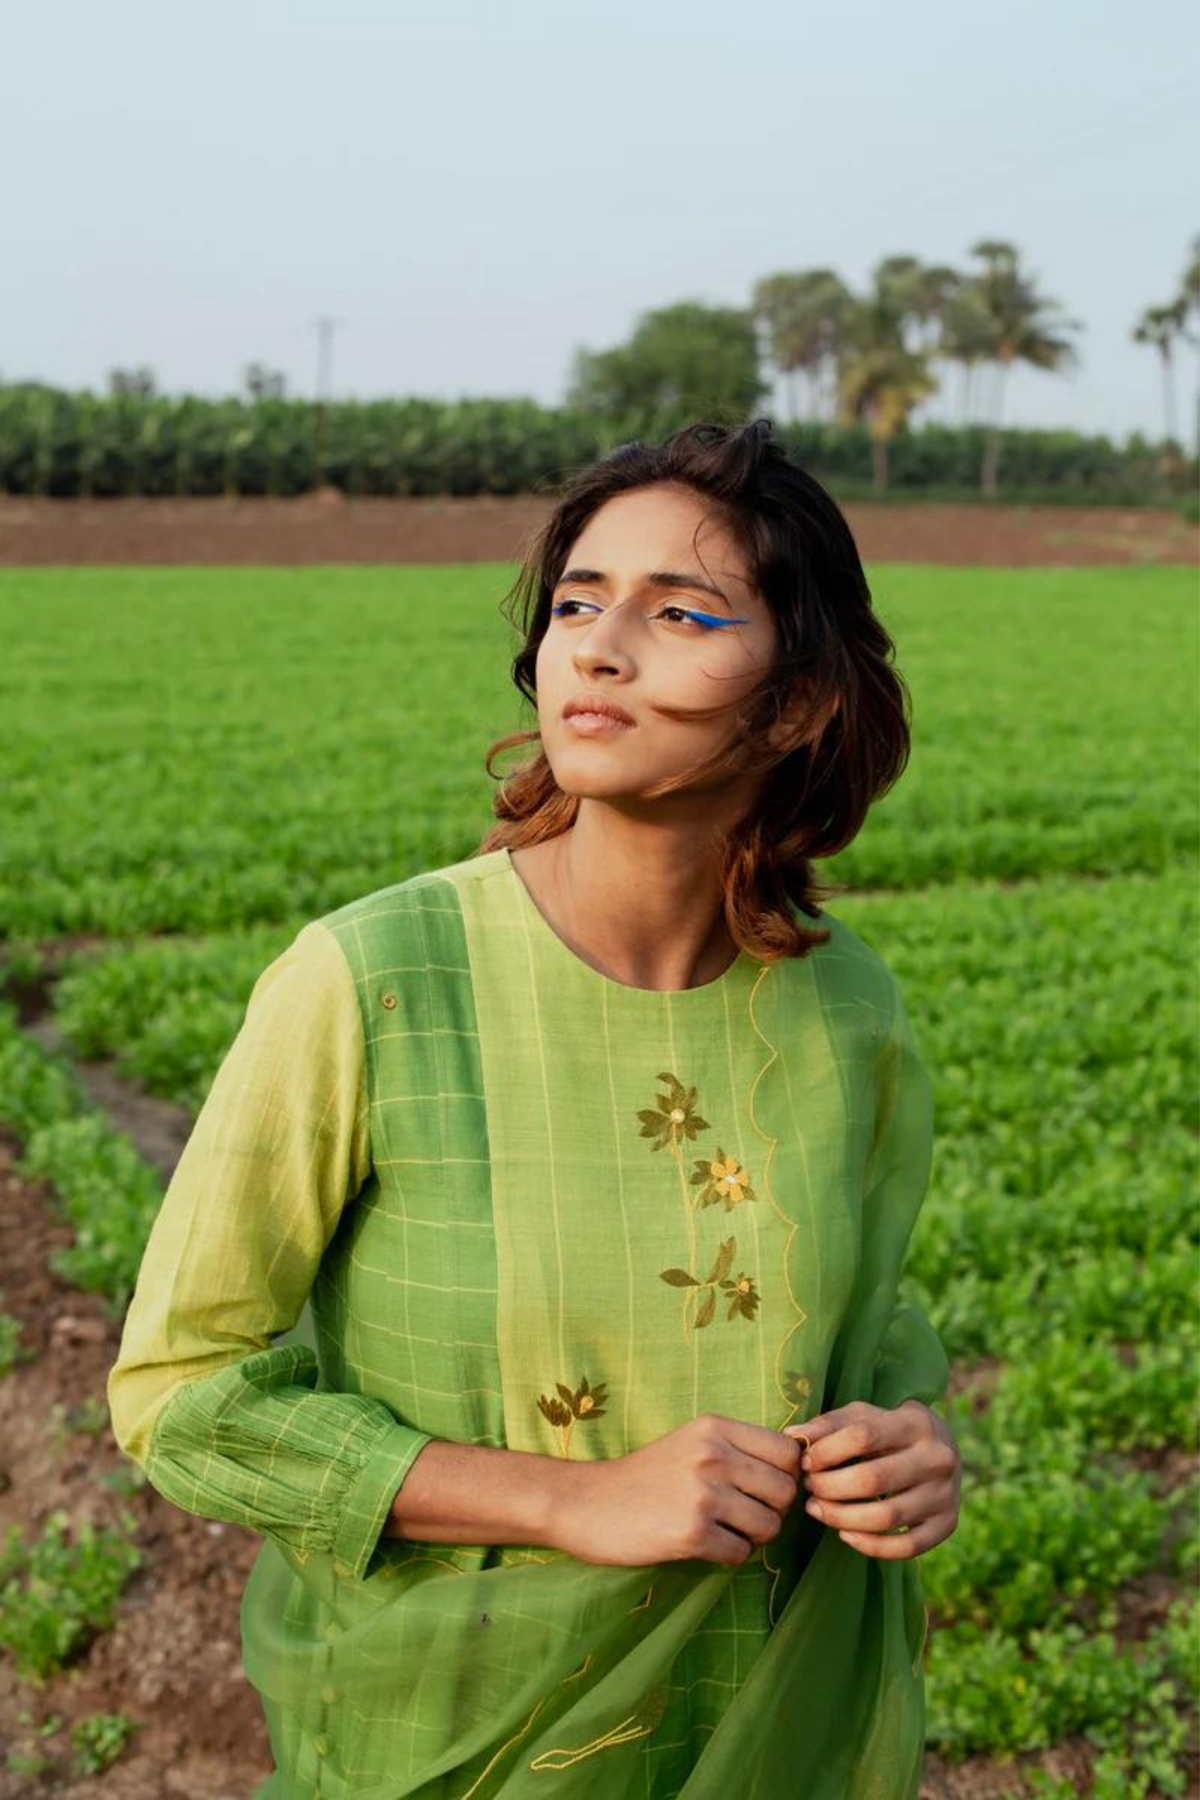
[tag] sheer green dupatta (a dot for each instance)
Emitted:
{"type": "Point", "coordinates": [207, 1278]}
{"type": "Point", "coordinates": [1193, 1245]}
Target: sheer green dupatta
{"type": "Point", "coordinates": [834, 1707]}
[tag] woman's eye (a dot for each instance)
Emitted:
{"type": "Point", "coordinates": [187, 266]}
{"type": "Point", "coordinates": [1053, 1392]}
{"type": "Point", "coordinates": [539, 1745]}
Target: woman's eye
{"type": "Point", "coordinates": [683, 615]}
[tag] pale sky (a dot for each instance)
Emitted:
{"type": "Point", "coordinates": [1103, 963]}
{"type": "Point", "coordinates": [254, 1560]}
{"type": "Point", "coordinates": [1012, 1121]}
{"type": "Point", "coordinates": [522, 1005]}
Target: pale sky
{"type": "Point", "coordinates": [472, 190]}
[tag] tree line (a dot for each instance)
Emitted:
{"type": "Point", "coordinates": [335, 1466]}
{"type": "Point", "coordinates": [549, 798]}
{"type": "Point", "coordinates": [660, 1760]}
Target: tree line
{"type": "Point", "coordinates": [855, 367]}
{"type": "Point", "coordinates": [868, 359]}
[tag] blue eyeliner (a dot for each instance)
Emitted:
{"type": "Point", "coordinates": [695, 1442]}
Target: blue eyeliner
{"type": "Point", "coordinates": [712, 621]}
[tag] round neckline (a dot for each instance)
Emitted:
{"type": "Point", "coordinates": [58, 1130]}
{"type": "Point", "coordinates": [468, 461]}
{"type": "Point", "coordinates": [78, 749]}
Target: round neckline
{"type": "Point", "coordinates": [545, 932]}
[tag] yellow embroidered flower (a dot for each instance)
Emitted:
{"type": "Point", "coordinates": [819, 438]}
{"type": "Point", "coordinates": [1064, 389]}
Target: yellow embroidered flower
{"type": "Point", "coordinates": [676, 1117]}
{"type": "Point", "coordinates": [721, 1179]}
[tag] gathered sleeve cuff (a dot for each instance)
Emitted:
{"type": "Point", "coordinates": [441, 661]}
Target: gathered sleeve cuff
{"type": "Point", "coordinates": [224, 1423]}
{"type": "Point", "coordinates": [255, 1445]}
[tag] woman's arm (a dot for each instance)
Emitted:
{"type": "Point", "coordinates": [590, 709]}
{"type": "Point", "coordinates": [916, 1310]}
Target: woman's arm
{"type": "Point", "coordinates": [474, 1494]}
{"type": "Point", "coordinates": [224, 1423]}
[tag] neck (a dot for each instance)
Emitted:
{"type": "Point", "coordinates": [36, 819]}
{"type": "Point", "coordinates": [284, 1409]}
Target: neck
{"type": "Point", "coordinates": [639, 899]}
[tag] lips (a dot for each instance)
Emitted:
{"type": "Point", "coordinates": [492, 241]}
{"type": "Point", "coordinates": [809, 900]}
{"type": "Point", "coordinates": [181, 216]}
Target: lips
{"type": "Point", "coordinates": [606, 709]}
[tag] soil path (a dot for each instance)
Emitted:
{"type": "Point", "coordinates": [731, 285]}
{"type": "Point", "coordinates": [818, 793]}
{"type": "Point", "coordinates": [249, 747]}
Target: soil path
{"type": "Point", "coordinates": [173, 1660]}
{"type": "Point", "coordinates": [329, 528]}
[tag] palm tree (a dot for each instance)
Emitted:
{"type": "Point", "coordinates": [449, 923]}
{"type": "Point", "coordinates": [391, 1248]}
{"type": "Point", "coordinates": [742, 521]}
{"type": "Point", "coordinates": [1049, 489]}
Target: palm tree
{"type": "Point", "coordinates": [933, 289]}
{"type": "Point", "coordinates": [880, 379]}
{"type": "Point", "coordinates": [1189, 294]}
{"type": "Point", "coordinates": [801, 315]}
{"type": "Point", "coordinates": [1160, 326]}
{"type": "Point", "coordinates": [1025, 328]}
{"type": "Point", "coordinates": [967, 336]}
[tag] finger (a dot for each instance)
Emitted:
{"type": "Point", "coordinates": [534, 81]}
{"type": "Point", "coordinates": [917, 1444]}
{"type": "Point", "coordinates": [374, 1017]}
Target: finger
{"type": "Point", "coordinates": [741, 1512]}
{"type": "Point", "coordinates": [876, 1475]}
{"type": "Point", "coordinates": [881, 1515]}
{"type": "Point", "coordinates": [762, 1441]}
{"type": "Point", "coordinates": [895, 1546]}
{"type": "Point", "coordinates": [823, 1424]}
{"type": "Point", "coordinates": [777, 1488]}
{"type": "Point", "coordinates": [870, 1434]}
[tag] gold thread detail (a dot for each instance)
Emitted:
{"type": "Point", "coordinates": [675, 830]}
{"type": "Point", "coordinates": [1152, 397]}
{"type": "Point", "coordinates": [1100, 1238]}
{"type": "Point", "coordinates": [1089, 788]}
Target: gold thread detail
{"type": "Point", "coordinates": [493, 1760]}
{"type": "Point", "coordinates": [639, 1724]}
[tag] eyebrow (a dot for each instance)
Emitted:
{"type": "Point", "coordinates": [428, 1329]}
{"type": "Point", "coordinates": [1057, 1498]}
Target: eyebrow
{"type": "Point", "coordinates": [660, 578]}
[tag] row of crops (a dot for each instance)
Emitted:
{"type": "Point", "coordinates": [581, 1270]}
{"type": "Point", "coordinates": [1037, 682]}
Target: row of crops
{"type": "Point", "coordinates": [192, 782]}
{"type": "Point", "coordinates": [66, 445]}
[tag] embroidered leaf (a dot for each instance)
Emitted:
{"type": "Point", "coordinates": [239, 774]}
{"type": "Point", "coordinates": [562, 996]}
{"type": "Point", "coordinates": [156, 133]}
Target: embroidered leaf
{"type": "Point", "coordinates": [706, 1308]}
{"type": "Point", "coordinates": [679, 1278]}
{"type": "Point", "coordinates": [725, 1255]}
{"type": "Point", "coordinates": [565, 1393]}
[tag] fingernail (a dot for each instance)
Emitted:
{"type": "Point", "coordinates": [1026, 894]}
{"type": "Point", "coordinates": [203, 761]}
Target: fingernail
{"type": "Point", "coordinates": [806, 1461]}
{"type": "Point", "coordinates": [813, 1507]}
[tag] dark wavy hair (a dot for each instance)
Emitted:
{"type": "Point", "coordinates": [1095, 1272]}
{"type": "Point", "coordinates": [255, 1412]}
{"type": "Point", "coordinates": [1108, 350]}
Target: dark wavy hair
{"type": "Point", "coordinates": [832, 677]}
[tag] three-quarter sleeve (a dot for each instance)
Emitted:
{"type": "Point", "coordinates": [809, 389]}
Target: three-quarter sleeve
{"type": "Point", "coordinates": [224, 1424]}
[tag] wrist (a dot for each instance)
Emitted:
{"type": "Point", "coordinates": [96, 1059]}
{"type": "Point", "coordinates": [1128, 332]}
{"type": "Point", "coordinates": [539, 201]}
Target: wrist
{"type": "Point", "coordinates": [565, 1497]}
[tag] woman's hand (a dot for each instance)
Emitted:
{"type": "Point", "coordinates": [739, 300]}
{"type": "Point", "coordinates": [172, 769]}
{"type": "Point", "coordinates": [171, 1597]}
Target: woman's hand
{"type": "Point", "coordinates": [886, 1479]}
{"type": "Point", "coordinates": [714, 1488]}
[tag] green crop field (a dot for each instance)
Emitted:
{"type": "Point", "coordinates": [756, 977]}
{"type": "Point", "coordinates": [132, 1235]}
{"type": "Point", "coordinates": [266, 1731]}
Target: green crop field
{"type": "Point", "coordinates": [197, 761]}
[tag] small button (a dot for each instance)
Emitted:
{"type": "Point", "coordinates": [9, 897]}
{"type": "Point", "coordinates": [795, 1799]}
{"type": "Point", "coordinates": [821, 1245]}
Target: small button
{"type": "Point", "coordinates": [387, 999]}
{"type": "Point", "coordinates": [332, 1633]}
{"type": "Point", "coordinates": [321, 1745]}
{"type": "Point", "coordinates": [328, 1695]}
{"type": "Point", "coordinates": [341, 1568]}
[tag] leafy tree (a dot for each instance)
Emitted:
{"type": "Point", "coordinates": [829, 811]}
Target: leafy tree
{"type": "Point", "coordinates": [131, 384]}
{"type": "Point", "coordinates": [683, 362]}
{"type": "Point", "coordinates": [263, 383]}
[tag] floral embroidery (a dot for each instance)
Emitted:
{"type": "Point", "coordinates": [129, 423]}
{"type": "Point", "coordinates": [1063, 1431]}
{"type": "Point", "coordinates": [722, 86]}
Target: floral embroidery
{"type": "Point", "coordinates": [743, 1296]}
{"type": "Point", "coordinates": [718, 1180]}
{"type": "Point", "coordinates": [721, 1179]}
{"type": "Point", "coordinates": [676, 1116]}
{"type": "Point", "coordinates": [796, 1387]}
{"type": "Point", "coordinates": [585, 1403]}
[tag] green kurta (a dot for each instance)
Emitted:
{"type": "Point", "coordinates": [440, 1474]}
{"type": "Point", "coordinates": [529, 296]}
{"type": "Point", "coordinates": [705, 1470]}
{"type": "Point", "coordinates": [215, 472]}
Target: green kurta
{"type": "Point", "coordinates": [532, 1207]}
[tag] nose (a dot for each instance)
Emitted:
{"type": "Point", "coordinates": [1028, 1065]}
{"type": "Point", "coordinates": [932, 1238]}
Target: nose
{"type": "Point", "coordinates": [601, 646]}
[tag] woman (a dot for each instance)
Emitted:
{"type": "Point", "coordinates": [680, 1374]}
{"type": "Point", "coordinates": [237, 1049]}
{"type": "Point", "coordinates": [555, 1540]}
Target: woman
{"type": "Point", "coordinates": [597, 1155]}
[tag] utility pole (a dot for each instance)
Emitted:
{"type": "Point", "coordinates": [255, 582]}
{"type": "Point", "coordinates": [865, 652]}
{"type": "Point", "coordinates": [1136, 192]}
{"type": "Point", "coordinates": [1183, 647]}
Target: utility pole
{"type": "Point", "coordinates": [324, 380]}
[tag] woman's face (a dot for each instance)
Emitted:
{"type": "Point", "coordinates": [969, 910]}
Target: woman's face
{"type": "Point", "coordinates": [635, 620]}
